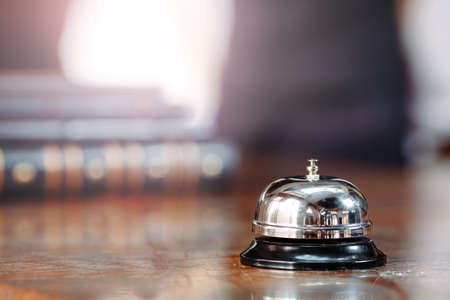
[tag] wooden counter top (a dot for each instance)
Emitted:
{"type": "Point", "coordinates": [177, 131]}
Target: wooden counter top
{"type": "Point", "coordinates": [187, 245]}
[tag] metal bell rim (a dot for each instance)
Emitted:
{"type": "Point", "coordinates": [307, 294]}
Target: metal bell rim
{"type": "Point", "coordinates": [312, 232]}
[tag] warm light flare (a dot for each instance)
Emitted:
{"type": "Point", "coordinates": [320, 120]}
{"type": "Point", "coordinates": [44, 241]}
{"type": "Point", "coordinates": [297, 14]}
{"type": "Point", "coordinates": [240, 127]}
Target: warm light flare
{"type": "Point", "coordinates": [177, 46]}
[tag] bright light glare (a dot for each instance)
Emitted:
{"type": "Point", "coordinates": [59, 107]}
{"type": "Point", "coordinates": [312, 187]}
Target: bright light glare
{"type": "Point", "coordinates": [177, 46]}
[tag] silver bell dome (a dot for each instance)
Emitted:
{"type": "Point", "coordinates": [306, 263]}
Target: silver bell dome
{"type": "Point", "coordinates": [311, 207]}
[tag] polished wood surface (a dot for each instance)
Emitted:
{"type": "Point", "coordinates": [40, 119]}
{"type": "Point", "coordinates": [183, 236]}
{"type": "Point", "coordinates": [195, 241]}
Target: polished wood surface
{"type": "Point", "coordinates": [187, 245]}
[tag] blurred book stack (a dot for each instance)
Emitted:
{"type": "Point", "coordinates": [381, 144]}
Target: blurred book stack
{"type": "Point", "coordinates": [56, 137]}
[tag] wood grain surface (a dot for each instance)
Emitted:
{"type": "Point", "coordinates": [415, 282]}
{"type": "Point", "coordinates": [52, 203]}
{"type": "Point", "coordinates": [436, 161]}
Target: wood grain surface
{"type": "Point", "coordinates": [187, 245]}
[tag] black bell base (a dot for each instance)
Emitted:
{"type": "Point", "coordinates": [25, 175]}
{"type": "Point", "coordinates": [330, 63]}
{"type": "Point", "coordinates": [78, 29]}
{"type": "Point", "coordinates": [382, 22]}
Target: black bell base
{"type": "Point", "coordinates": [302, 254]}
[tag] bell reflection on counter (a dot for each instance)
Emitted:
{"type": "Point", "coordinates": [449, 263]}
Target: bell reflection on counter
{"type": "Point", "coordinates": [320, 286]}
{"type": "Point", "coordinates": [312, 222]}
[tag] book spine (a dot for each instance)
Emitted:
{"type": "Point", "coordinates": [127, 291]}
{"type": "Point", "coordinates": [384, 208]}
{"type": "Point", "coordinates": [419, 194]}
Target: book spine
{"type": "Point", "coordinates": [77, 168]}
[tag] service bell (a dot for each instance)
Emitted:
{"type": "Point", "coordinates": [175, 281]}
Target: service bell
{"type": "Point", "coordinates": [312, 222]}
